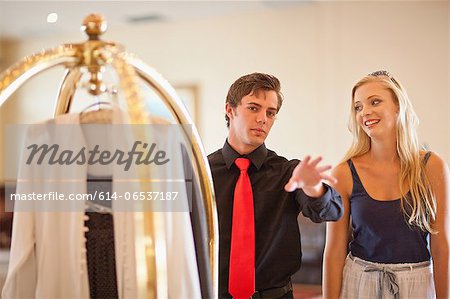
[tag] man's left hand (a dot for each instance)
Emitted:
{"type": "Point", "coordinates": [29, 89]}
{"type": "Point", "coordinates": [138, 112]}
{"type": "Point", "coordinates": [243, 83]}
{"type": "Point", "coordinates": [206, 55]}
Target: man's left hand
{"type": "Point", "coordinates": [308, 175]}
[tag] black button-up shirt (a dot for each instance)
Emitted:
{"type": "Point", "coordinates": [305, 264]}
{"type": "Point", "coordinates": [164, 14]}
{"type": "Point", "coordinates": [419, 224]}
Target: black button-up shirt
{"type": "Point", "coordinates": [277, 236]}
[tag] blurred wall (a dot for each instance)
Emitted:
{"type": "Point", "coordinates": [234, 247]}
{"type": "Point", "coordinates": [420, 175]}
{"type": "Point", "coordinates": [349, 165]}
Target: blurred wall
{"type": "Point", "coordinates": [317, 50]}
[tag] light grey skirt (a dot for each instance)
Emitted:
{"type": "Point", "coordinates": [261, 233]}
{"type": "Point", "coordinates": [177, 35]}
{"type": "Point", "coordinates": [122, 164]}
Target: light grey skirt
{"type": "Point", "coordinates": [363, 279]}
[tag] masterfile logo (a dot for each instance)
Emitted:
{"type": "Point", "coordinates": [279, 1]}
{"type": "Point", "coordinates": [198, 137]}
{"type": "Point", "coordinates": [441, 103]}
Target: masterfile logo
{"type": "Point", "coordinates": [119, 167]}
{"type": "Point", "coordinates": [141, 153]}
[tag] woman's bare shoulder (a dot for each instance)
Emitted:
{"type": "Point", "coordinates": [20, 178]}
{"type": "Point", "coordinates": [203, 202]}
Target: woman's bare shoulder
{"type": "Point", "coordinates": [343, 175]}
{"type": "Point", "coordinates": [436, 166]}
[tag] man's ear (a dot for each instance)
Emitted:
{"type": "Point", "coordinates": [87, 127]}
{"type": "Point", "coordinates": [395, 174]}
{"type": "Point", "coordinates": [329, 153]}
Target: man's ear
{"type": "Point", "coordinates": [229, 110]}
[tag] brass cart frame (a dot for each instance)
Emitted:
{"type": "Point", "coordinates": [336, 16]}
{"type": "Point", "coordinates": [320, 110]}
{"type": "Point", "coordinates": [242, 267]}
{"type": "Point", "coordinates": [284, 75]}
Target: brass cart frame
{"type": "Point", "coordinates": [94, 55]}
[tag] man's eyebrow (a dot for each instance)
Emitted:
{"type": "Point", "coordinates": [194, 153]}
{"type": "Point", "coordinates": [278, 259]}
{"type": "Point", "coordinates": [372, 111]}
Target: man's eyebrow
{"type": "Point", "coordinates": [254, 103]}
{"type": "Point", "coordinates": [259, 105]}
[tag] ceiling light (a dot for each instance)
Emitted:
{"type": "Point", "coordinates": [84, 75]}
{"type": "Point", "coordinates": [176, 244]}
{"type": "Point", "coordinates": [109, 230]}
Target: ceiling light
{"type": "Point", "coordinates": [52, 17]}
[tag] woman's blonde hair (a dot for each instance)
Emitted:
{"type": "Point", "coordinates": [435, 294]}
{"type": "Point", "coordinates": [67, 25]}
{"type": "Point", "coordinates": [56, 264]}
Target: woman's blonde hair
{"type": "Point", "coordinates": [419, 207]}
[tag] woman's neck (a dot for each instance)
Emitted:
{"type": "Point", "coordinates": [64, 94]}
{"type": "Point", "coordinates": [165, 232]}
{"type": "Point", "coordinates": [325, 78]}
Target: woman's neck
{"type": "Point", "coordinates": [384, 151]}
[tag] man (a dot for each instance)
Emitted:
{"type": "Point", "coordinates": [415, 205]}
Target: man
{"type": "Point", "coordinates": [259, 239]}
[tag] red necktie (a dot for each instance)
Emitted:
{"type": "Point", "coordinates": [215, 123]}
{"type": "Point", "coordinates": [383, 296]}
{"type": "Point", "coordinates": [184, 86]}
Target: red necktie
{"type": "Point", "coordinates": [242, 253]}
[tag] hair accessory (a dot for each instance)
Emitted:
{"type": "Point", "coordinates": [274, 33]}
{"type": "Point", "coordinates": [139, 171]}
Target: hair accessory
{"type": "Point", "coordinates": [380, 73]}
{"type": "Point", "coordinates": [387, 74]}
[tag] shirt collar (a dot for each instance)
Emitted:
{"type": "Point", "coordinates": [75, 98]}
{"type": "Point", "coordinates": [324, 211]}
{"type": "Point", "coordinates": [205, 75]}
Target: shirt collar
{"type": "Point", "coordinates": [257, 157]}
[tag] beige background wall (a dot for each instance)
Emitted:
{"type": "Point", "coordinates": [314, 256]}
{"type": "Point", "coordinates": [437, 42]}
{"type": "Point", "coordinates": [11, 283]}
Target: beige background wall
{"type": "Point", "coordinates": [318, 51]}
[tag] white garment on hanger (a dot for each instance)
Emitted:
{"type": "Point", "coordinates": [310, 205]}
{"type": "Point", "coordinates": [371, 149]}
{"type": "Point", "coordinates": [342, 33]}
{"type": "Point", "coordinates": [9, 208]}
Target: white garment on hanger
{"type": "Point", "coordinates": [48, 252]}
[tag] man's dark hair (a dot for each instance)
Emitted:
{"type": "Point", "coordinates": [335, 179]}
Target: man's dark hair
{"type": "Point", "coordinates": [248, 85]}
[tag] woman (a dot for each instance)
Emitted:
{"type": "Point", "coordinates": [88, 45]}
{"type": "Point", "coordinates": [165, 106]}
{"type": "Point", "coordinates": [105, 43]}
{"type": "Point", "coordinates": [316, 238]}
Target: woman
{"type": "Point", "coordinates": [398, 198]}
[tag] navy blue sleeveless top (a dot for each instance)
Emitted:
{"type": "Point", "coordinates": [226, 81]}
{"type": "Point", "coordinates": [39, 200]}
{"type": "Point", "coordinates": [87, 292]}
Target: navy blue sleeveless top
{"type": "Point", "coordinates": [380, 232]}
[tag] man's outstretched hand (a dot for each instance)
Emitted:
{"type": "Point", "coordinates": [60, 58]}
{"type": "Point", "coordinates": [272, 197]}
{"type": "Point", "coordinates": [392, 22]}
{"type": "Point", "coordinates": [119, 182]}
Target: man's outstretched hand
{"type": "Point", "coordinates": [308, 175]}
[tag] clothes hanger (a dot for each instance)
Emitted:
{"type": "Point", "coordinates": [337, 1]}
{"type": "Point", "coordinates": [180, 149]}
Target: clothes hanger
{"type": "Point", "coordinates": [98, 104]}
{"type": "Point", "coordinates": [98, 116]}
{"type": "Point", "coordinates": [103, 114]}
